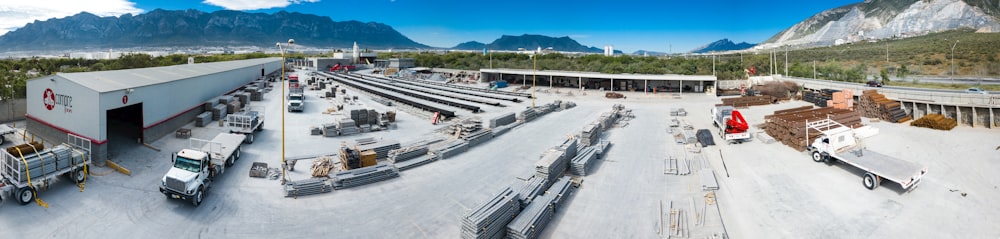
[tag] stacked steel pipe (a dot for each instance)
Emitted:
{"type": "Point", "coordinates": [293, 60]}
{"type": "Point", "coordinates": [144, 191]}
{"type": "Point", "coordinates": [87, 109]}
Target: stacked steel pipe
{"type": "Point", "coordinates": [875, 105]}
{"type": "Point", "coordinates": [748, 101]}
{"type": "Point", "coordinates": [935, 121]}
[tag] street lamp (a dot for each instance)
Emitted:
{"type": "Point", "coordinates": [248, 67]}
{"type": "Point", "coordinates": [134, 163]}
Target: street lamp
{"type": "Point", "coordinates": [953, 61]}
{"type": "Point", "coordinates": [284, 164]}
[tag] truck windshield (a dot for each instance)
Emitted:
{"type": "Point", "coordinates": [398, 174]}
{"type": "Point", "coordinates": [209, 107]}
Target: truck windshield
{"type": "Point", "coordinates": [187, 164]}
{"type": "Point", "coordinates": [295, 97]}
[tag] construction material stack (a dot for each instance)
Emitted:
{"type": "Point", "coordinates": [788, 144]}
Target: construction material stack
{"type": "Point", "coordinates": [748, 101]}
{"type": "Point", "coordinates": [362, 176]}
{"type": "Point", "coordinates": [580, 164]}
{"type": "Point", "coordinates": [875, 105]}
{"type": "Point", "coordinates": [489, 220]}
{"type": "Point", "coordinates": [448, 148]}
{"type": "Point", "coordinates": [502, 120]}
{"type": "Point", "coordinates": [789, 126]}
{"type": "Point", "coordinates": [203, 119]}
{"type": "Point", "coordinates": [818, 98]}
{"type": "Point", "coordinates": [28, 166]}
{"type": "Point", "coordinates": [414, 154]}
{"type": "Point", "coordinates": [529, 189]}
{"type": "Point", "coordinates": [843, 99]}
{"type": "Point", "coordinates": [347, 127]}
{"type": "Point", "coordinates": [380, 147]}
{"type": "Point", "coordinates": [532, 221]}
{"type": "Point", "coordinates": [551, 165]}
{"type": "Point", "coordinates": [935, 121]}
{"type": "Point", "coordinates": [307, 187]}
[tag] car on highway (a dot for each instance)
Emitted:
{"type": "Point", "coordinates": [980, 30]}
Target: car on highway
{"type": "Point", "coordinates": [976, 91]}
{"type": "Point", "coordinates": [872, 83]}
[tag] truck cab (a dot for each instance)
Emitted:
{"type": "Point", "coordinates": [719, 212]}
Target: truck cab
{"type": "Point", "coordinates": [187, 179]}
{"type": "Point", "coordinates": [296, 101]}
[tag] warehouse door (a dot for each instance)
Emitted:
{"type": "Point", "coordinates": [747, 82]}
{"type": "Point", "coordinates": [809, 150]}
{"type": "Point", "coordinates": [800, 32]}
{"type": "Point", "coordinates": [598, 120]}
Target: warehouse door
{"type": "Point", "coordinates": [124, 128]}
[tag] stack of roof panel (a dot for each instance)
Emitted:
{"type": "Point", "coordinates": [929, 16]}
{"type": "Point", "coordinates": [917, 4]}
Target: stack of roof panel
{"type": "Point", "coordinates": [362, 176]}
{"type": "Point", "coordinates": [407, 153]}
{"type": "Point", "coordinates": [580, 164]}
{"type": "Point", "coordinates": [381, 148]}
{"type": "Point", "coordinates": [203, 119]}
{"type": "Point", "coordinates": [219, 112]}
{"type": "Point", "coordinates": [307, 187]}
{"type": "Point", "coordinates": [478, 137]}
{"type": "Point", "coordinates": [418, 161]}
{"type": "Point", "coordinates": [559, 191]}
{"type": "Point", "coordinates": [502, 120]}
{"type": "Point", "coordinates": [450, 148]}
{"type": "Point", "coordinates": [590, 134]}
{"type": "Point", "coordinates": [347, 127]}
{"type": "Point", "coordinates": [532, 220]}
{"type": "Point", "coordinates": [551, 165]}
{"type": "Point", "coordinates": [530, 189]}
{"type": "Point", "coordinates": [489, 220]}
{"type": "Point", "coordinates": [527, 115]}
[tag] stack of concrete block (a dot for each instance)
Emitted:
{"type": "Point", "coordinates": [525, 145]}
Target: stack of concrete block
{"type": "Point", "coordinates": [219, 112]}
{"type": "Point", "coordinates": [203, 119]}
{"type": "Point", "coordinates": [233, 106]}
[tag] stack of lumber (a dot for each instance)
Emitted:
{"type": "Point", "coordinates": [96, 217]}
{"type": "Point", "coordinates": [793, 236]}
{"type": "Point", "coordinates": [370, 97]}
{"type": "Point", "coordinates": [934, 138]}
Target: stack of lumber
{"type": "Point", "coordinates": [407, 153]}
{"type": "Point", "coordinates": [875, 105]}
{"type": "Point", "coordinates": [789, 126]}
{"type": "Point", "coordinates": [488, 220]}
{"type": "Point", "coordinates": [842, 100]}
{"type": "Point", "coordinates": [748, 101]}
{"type": "Point", "coordinates": [321, 167]}
{"type": "Point", "coordinates": [613, 95]}
{"type": "Point", "coordinates": [935, 121]}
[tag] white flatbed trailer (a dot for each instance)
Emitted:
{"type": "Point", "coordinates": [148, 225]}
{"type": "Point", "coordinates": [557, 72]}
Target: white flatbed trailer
{"type": "Point", "coordinates": [224, 148]}
{"type": "Point", "coordinates": [877, 166]}
{"type": "Point", "coordinates": [247, 122]}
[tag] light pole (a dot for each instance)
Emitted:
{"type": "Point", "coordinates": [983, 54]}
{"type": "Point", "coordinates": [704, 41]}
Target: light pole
{"type": "Point", "coordinates": [534, 67]}
{"type": "Point", "coordinates": [953, 61]}
{"type": "Point", "coordinates": [284, 164]}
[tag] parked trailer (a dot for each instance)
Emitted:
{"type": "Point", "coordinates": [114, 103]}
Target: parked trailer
{"type": "Point", "coordinates": [29, 166]}
{"type": "Point", "coordinates": [247, 122]}
{"type": "Point", "coordinates": [196, 167]}
{"type": "Point", "coordinates": [839, 144]}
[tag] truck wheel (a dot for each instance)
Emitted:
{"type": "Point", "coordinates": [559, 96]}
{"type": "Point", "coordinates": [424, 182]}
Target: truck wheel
{"type": "Point", "coordinates": [78, 175]}
{"type": "Point", "coordinates": [817, 157]}
{"type": "Point", "coordinates": [2, 140]}
{"type": "Point", "coordinates": [871, 181]}
{"type": "Point", "coordinates": [260, 128]}
{"type": "Point", "coordinates": [250, 138]}
{"type": "Point", "coordinates": [230, 160]}
{"type": "Point", "coordinates": [198, 196]}
{"type": "Point", "coordinates": [25, 195]}
{"type": "Point", "coordinates": [237, 153]}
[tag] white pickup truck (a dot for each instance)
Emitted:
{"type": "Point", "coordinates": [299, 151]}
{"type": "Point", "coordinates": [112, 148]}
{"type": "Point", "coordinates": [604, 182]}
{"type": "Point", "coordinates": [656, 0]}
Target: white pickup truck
{"type": "Point", "coordinates": [837, 143]}
{"type": "Point", "coordinates": [195, 167]}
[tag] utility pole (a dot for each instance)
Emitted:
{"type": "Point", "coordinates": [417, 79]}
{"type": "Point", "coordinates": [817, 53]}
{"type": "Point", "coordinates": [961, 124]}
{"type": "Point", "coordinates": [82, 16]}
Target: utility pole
{"type": "Point", "coordinates": [953, 62]}
{"type": "Point", "coordinates": [814, 69]}
{"type": "Point", "coordinates": [713, 64]}
{"type": "Point", "coordinates": [786, 61]}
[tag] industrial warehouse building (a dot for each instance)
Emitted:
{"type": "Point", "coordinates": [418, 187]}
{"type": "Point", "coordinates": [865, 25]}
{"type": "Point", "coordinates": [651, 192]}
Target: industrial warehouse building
{"type": "Point", "coordinates": [595, 80]}
{"type": "Point", "coordinates": [125, 106]}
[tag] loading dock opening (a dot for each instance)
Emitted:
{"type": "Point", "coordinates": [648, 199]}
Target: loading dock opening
{"type": "Point", "coordinates": [124, 127]}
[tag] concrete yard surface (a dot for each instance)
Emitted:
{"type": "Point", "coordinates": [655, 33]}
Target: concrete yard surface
{"type": "Point", "coordinates": [765, 190]}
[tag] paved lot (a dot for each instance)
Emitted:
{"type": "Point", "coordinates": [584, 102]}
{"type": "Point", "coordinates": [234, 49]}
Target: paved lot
{"type": "Point", "coordinates": [771, 191]}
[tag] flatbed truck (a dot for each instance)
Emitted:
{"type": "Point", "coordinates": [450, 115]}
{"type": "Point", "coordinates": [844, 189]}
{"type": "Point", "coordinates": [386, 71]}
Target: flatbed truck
{"type": "Point", "coordinates": [247, 122]}
{"type": "Point", "coordinates": [30, 167]}
{"type": "Point", "coordinates": [196, 167]}
{"type": "Point", "coordinates": [837, 143]}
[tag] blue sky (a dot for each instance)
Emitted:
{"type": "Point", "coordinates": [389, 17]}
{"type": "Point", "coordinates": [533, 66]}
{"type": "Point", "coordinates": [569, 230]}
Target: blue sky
{"type": "Point", "coordinates": [629, 25]}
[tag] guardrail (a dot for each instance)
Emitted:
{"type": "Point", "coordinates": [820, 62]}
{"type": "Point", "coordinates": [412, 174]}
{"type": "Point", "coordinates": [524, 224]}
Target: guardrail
{"type": "Point", "coordinates": [906, 93]}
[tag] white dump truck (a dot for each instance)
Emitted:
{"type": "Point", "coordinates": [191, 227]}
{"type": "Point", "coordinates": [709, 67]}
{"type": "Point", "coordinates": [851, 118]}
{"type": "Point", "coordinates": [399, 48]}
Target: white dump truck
{"type": "Point", "coordinates": [26, 167]}
{"type": "Point", "coordinates": [247, 122]}
{"type": "Point", "coordinates": [195, 167]}
{"type": "Point", "coordinates": [838, 143]}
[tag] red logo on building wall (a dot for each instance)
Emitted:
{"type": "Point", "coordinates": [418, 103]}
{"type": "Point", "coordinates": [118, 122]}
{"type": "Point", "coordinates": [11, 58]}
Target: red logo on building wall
{"type": "Point", "coordinates": [124, 99]}
{"type": "Point", "coordinates": [49, 99]}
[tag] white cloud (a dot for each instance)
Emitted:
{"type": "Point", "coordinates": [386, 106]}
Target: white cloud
{"type": "Point", "coordinates": [16, 13]}
{"type": "Point", "coordinates": [241, 5]}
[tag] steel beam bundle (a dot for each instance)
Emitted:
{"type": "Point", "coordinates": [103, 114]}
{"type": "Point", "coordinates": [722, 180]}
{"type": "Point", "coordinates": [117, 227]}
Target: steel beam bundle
{"type": "Point", "coordinates": [502, 120]}
{"type": "Point", "coordinates": [601, 148]}
{"type": "Point", "coordinates": [529, 189]}
{"type": "Point", "coordinates": [433, 91]}
{"type": "Point", "coordinates": [492, 94]}
{"type": "Point", "coordinates": [559, 190]}
{"type": "Point", "coordinates": [41, 164]}
{"type": "Point", "coordinates": [527, 115]}
{"type": "Point", "coordinates": [748, 101]}
{"type": "Point", "coordinates": [478, 137]}
{"type": "Point", "coordinates": [416, 162]}
{"type": "Point", "coordinates": [489, 220]}
{"type": "Point", "coordinates": [590, 134]}
{"type": "Point", "coordinates": [362, 176]}
{"type": "Point", "coordinates": [530, 222]}
{"type": "Point", "coordinates": [552, 165]}
{"type": "Point", "coordinates": [414, 93]}
{"type": "Point", "coordinates": [407, 153]}
{"type": "Point", "coordinates": [307, 187]}
{"type": "Point", "coordinates": [409, 100]}
{"type": "Point", "coordinates": [580, 164]}
{"type": "Point", "coordinates": [449, 148]}
{"type": "Point", "coordinates": [499, 130]}
{"type": "Point", "coordinates": [570, 147]}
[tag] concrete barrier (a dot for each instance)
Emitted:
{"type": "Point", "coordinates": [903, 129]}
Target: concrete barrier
{"type": "Point", "coordinates": [13, 110]}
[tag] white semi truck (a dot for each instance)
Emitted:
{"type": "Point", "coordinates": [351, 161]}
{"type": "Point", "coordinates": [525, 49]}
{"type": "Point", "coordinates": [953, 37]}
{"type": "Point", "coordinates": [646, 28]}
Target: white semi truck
{"type": "Point", "coordinates": [837, 143]}
{"type": "Point", "coordinates": [196, 167]}
{"type": "Point", "coordinates": [296, 99]}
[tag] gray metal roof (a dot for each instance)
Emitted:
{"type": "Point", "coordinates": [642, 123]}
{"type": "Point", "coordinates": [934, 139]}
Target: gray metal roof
{"type": "Point", "coordinates": [597, 75]}
{"type": "Point", "coordinates": [108, 81]}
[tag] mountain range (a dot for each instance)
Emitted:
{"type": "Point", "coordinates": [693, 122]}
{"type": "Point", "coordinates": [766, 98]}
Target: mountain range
{"type": "Point", "coordinates": [530, 42]}
{"type": "Point", "coordinates": [195, 28]}
{"type": "Point", "coordinates": [723, 45]}
{"type": "Point", "coordinates": [879, 19]}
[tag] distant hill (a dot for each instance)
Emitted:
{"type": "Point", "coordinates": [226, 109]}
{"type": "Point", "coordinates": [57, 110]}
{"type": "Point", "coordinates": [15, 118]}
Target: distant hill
{"type": "Point", "coordinates": [530, 42]}
{"type": "Point", "coordinates": [723, 45]}
{"type": "Point", "coordinates": [162, 28]}
{"type": "Point", "coordinates": [880, 19]}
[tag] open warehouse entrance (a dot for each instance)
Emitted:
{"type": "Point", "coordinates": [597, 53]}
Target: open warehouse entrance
{"type": "Point", "coordinates": [124, 127]}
